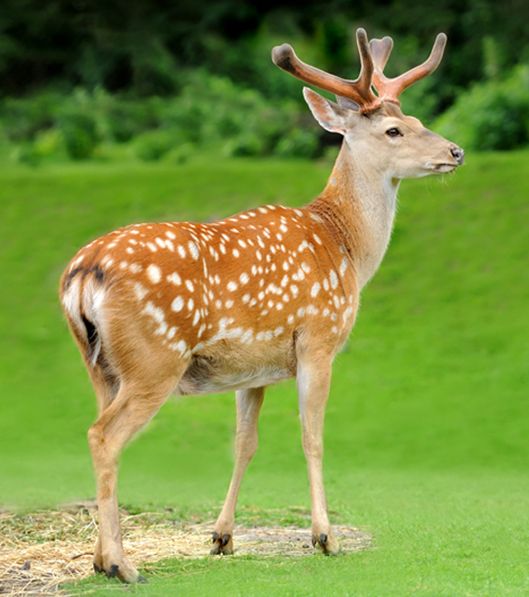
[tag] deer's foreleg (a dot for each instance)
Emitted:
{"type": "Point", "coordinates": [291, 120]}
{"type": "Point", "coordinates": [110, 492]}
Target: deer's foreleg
{"type": "Point", "coordinates": [313, 381]}
{"type": "Point", "coordinates": [248, 407]}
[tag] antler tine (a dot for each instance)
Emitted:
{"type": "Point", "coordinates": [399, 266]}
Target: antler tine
{"type": "Point", "coordinates": [390, 89]}
{"type": "Point", "coordinates": [358, 90]}
{"type": "Point", "coordinates": [380, 51]}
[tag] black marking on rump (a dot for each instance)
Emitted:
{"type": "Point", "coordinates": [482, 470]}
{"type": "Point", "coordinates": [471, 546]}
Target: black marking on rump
{"type": "Point", "coordinates": [91, 336]}
{"type": "Point", "coordinates": [98, 273]}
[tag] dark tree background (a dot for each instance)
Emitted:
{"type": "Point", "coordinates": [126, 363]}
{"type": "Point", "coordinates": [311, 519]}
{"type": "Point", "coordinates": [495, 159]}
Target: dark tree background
{"type": "Point", "coordinates": [140, 47]}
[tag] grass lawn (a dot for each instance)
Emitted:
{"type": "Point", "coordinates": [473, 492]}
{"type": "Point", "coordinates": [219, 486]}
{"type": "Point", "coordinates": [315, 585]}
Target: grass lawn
{"type": "Point", "coordinates": [427, 433]}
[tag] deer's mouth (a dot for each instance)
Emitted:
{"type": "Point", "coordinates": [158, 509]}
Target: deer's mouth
{"type": "Point", "coordinates": [442, 168]}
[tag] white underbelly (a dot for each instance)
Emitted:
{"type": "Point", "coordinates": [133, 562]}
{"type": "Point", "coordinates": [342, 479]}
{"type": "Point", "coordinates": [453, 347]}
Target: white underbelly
{"type": "Point", "coordinates": [219, 381]}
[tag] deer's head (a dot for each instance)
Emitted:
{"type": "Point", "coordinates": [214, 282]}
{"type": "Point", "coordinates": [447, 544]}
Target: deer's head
{"type": "Point", "coordinates": [378, 134]}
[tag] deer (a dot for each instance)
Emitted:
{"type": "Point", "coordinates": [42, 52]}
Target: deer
{"type": "Point", "coordinates": [245, 302]}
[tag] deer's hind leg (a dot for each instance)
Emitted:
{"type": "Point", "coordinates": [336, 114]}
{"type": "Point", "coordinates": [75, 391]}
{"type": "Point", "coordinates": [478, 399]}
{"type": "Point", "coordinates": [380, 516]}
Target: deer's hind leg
{"type": "Point", "coordinates": [135, 404]}
{"type": "Point", "coordinates": [248, 407]}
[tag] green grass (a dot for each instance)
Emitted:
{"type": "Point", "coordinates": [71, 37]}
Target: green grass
{"type": "Point", "coordinates": [426, 434]}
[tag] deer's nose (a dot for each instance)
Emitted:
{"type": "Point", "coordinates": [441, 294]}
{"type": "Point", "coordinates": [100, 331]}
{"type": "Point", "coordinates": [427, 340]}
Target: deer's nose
{"type": "Point", "coordinates": [458, 154]}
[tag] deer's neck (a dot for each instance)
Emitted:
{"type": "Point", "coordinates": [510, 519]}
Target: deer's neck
{"type": "Point", "coordinates": [359, 204]}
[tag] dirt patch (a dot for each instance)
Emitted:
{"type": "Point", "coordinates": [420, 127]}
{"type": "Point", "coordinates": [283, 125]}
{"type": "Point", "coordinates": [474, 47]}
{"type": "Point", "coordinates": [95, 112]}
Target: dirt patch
{"type": "Point", "coordinates": [42, 550]}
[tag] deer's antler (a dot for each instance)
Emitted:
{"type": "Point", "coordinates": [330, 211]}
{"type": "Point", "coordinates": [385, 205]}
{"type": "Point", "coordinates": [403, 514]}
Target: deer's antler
{"type": "Point", "coordinates": [358, 90]}
{"type": "Point", "coordinates": [390, 89]}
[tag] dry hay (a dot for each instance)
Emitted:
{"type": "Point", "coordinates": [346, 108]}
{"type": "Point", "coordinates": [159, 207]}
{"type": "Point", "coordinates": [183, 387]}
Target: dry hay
{"type": "Point", "coordinates": [42, 550]}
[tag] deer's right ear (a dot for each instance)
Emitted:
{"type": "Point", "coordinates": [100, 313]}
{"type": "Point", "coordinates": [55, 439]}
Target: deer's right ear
{"type": "Point", "coordinates": [330, 115]}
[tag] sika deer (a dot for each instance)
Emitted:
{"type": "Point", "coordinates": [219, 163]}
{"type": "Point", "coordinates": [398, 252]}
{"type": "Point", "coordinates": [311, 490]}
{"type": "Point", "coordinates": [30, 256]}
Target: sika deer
{"type": "Point", "coordinates": [239, 304]}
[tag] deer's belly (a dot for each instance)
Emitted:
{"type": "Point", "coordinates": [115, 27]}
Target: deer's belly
{"type": "Point", "coordinates": [207, 376]}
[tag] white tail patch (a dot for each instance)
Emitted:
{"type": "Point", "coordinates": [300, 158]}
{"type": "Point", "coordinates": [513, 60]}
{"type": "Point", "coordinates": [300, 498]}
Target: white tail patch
{"type": "Point", "coordinates": [71, 302]}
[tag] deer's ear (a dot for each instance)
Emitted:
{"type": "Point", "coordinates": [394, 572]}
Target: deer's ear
{"type": "Point", "coordinates": [331, 116]}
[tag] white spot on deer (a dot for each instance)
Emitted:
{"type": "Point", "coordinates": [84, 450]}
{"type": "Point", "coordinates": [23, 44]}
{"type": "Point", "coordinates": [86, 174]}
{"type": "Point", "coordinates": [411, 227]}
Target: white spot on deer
{"type": "Point", "coordinates": [284, 281]}
{"type": "Point", "coordinates": [232, 286]}
{"type": "Point", "coordinates": [312, 310]}
{"type": "Point", "coordinates": [177, 304]}
{"type": "Point", "coordinates": [160, 242]}
{"type": "Point", "coordinates": [325, 284]}
{"type": "Point", "coordinates": [299, 275]}
{"type": "Point", "coordinates": [154, 273]}
{"type": "Point", "coordinates": [155, 312]}
{"type": "Point", "coordinates": [244, 278]}
{"type": "Point", "coordinates": [129, 250]}
{"type": "Point", "coordinates": [290, 319]}
{"type": "Point", "coordinates": [305, 267]}
{"type": "Point", "coordinates": [317, 239]}
{"type": "Point", "coordinates": [301, 312]}
{"type": "Point", "coordinates": [190, 304]}
{"type": "Point", "coordinates": [263, 210]}
{"type": "Point", "coordinates": [334, 279]}
{"type": "Point", "coordinates": [247, 337]}
{"type": "Point", "coordinates": [181, 251]}
{"type": "Point", "coordinates": [171, 333]}
{"type": "Point", "coordinates": [283, 228]}
{"type": "Point", "coordinates": [174, 278]}
{"type": "Point", "coordinates": [294, 290]}
{"type": "Point", "coordinates": [315, 289]}
{"type": "Point", "coordinates": [343, 266]}
{"type": "Point", "coordinates": [189, 285]}
{"type": "Point", "coordinates": [170, 234]}
{"type": "Point", "coordinates": [140, 291]}
{"type": "Point", "coordinates": [152, 247]}
{"type": "Point", "coordinates": [347, 313]}
{"type": "Point", "coordinates": [179, 346]}
{"type": "Point", "coordinates": [228, 304]}
{"type": "Point", "coordinates": [286, 266]}
{"type": "Point", "coordinates": [196, 317]}
{"type": "Point", "coordinates": [135, 268]}
{"type": "Point", "coordinates": [193, 249]}
{"type": "Point", "coordinates": [235, 252]}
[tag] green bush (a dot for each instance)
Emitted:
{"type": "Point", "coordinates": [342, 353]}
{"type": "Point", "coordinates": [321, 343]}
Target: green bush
{"type": "Point", "coordinates": [492, 115]}
{"type": "Point", "coordinates": [151, 146]}
{"type": "Point", "coordinates": [23, 118]}
{"type": "Point", "coordinates": [78, 129]}
{"type": "Point", "coordinates": [298, 143]}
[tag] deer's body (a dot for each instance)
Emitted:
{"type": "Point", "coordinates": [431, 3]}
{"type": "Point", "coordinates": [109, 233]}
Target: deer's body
{"type": "Point", "coordinates": [245, 302]}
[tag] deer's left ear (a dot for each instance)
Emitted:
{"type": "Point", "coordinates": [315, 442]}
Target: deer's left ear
{"type": "Point", "coordinates": [331, 116]}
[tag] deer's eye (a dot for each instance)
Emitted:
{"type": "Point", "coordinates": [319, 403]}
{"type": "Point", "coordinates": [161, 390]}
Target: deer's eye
{"type": "Point", "coordinates": [393, 132]}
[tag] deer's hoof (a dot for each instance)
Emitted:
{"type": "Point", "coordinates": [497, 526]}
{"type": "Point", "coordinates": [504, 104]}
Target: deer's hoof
{"type": "Point", "coordinates": [124, 571]}
{"type": "Point", "coordinates": [326, 543]}
{"type": "Point", "coordinates": [222, 544]}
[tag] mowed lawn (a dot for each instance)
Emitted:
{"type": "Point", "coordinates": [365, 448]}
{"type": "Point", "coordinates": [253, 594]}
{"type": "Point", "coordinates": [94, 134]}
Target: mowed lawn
{"type": "Point", "coordinates": [427, 431]}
